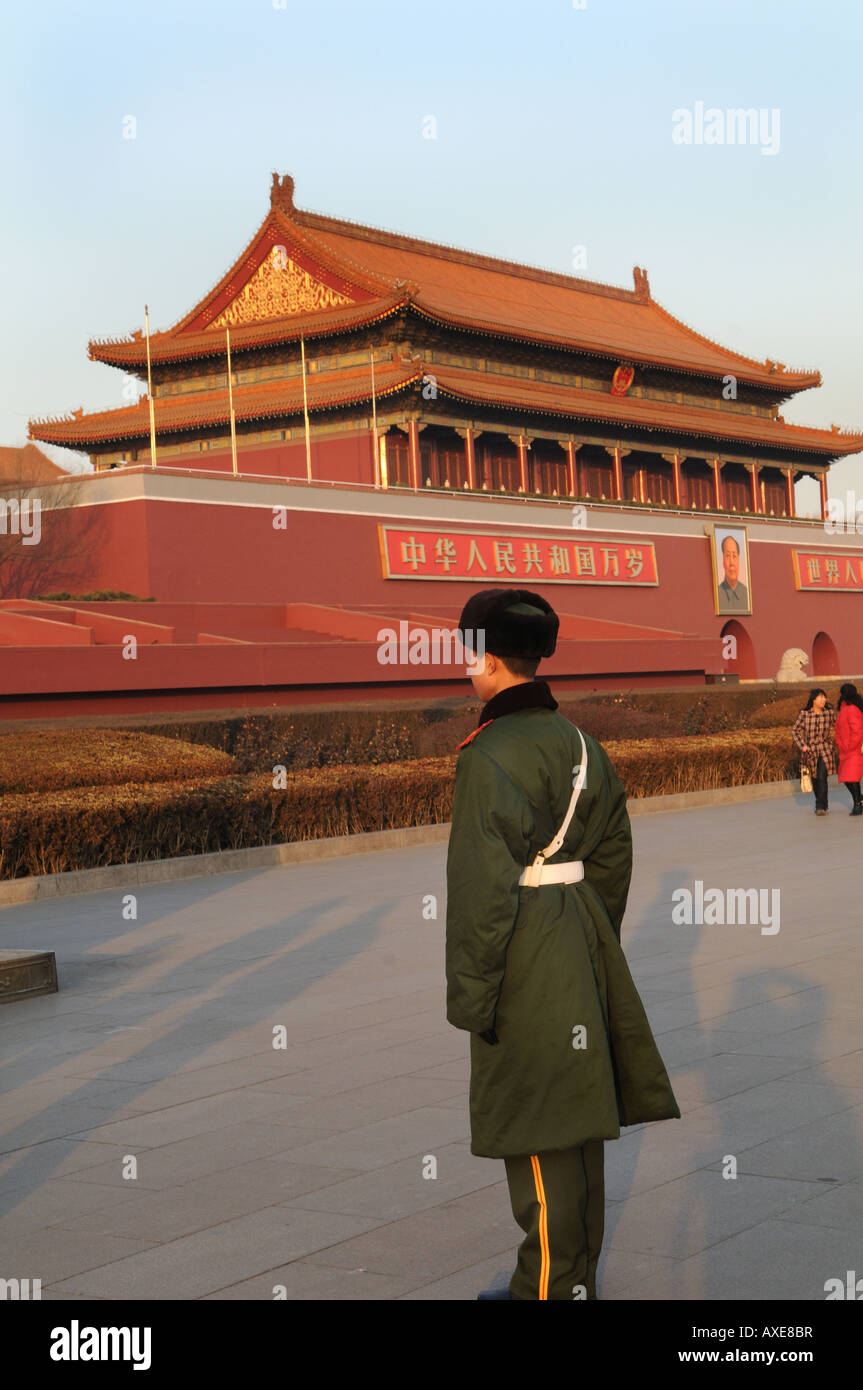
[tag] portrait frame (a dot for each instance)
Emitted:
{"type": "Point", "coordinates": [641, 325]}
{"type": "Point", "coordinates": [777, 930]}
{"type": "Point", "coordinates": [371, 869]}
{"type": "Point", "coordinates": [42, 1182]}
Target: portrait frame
{"type": "Point", "coordinates": [717, 536]}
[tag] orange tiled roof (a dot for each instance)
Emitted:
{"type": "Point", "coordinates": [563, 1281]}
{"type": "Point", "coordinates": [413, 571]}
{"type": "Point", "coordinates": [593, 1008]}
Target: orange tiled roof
{"type": "Point", "coordinates": [352, 386]}
{"type": "Point", "coordinates": [275, 400]}
{"type": "Point", "coordinates": [27, 465]}
{"type": "Point", "coordinates": [176, 346]}
{"type": "Point", "coordinates": [379, 271]}
{"type": "Point", "coordinates": [478, 293]}
{"type": "Point", "coordinates": [482, 388]}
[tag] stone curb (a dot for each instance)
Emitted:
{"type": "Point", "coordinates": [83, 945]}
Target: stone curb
{"type": "Point", "coordinates": [24, 890]}
{"type": "Point", "coordinates": [718, 796]}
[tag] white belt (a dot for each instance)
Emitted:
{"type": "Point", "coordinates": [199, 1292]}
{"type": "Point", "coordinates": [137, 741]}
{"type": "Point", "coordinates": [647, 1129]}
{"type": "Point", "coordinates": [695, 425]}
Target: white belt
{"type": "Point", "coordinates": [539, 872]}
{"type": "Point", "coordinates": [536, 874]}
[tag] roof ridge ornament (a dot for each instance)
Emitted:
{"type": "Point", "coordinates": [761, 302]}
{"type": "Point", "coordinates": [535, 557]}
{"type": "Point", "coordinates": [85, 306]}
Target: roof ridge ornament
{"type": "Point", "coordinates": [642, 284]}
{"type": "Point", "coordinates": [282, 193]}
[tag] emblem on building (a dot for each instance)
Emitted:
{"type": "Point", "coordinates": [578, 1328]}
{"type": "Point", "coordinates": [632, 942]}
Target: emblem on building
{"type": "Point", "coordinates": [622, 380]}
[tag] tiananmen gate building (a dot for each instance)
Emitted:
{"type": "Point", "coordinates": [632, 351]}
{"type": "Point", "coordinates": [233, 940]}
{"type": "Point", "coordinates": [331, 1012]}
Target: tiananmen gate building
{"type": "Point", "coordinates": [411, 422]}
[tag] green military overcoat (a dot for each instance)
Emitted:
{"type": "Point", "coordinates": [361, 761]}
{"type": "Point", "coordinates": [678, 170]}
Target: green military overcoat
{"type": "Point", "coordinates": [543, 966]}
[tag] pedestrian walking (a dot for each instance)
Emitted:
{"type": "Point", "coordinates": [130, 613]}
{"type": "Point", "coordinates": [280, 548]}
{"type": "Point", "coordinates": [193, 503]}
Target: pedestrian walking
{"type": "Point", "coordinates": [813, 734]}
{"type": "Point", "coordinates": [538, 872]}
{"type": "Point", "coordinates": [849, 740]}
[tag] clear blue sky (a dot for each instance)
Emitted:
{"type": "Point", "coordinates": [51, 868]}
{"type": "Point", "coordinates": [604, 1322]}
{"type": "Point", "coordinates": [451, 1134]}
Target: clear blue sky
{"type": "Point", "coordinates": [554, 129]}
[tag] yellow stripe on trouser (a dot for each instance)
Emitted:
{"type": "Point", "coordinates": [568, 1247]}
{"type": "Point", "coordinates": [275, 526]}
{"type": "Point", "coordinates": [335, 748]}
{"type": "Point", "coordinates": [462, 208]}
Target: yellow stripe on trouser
{"type": "Point", "coordinates": [545, 1260]}
{"type": "Point", "coordinates": [559, 1192]}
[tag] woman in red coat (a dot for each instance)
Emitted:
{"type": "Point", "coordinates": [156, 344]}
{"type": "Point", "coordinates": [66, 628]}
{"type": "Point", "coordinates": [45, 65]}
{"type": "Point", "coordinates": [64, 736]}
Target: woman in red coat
{"type": "Point", "coordinates": [849, 738]}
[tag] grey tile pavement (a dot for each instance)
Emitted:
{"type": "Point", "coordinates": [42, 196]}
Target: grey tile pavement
{"type": "Point", "coordinates": [308, 1165]}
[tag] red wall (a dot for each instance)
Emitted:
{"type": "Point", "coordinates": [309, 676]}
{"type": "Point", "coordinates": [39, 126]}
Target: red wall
{"type": "Point", "coordinates": [339, 458]}
{"type": "Point", "coordinates": [176, 551]}
{"type": "Point", "coordinates": [220, 553]}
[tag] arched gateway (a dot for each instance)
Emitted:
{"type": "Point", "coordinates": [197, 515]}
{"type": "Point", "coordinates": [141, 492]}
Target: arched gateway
{"type": "Point", "coordinates": [742, 664]}
{"type": "Point", "coordinates": [825, 658]}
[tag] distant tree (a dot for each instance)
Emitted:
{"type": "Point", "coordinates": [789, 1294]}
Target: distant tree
{"type": "Point", "coordinates": [46, 538]}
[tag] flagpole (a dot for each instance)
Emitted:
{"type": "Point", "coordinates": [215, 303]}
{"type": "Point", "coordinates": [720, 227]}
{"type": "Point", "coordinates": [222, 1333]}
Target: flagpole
{"type": "Point", "coordinates": [231, 401]}
{"type": "Point", "coordinates": [150, 391]}
{"type": "Point", "coordinates": [306, 412]}
{"type": "Point", "coordinates": [374, 421]}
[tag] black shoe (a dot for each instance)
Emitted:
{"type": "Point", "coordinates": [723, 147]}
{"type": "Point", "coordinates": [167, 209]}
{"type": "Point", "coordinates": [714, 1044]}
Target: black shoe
{"type": "Point", "coordinates": [858, 809]}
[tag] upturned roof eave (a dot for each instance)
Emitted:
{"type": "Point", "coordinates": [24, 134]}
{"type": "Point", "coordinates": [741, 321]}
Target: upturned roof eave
{"type": "Point", "coordinates": [829, 448]}
{"type": "Point", "coordinates": [171, 348]}
{"type": "Point", "coordinates": [168, 348]}
{"type": "Point", "coordinates": [788, 383]}
{"type": "Point", "coordinates": [58, 431]}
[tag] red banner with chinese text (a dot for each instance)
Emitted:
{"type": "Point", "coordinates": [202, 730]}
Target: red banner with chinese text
{"type": "Point", "coordinates": [814, 569]}
{"type": "Point", "coordinates": [416, 553]}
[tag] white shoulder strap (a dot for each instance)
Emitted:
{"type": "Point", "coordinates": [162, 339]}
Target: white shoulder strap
{"type": "Point", "coordinates": [577, 785]}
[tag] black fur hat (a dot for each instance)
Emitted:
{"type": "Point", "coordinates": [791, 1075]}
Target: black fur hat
{"type": "Point", "coordinates": [515, 622]}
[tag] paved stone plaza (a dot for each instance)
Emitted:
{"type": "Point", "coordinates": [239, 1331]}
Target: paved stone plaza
{"type": "Point", "coordinates": [304, 1166]}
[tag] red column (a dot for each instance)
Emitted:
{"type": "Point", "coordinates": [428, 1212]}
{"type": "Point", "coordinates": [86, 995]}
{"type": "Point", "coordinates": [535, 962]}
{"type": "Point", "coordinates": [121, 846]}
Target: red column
{"type": "Point", "coordinates": [789, 491]}
{"type": "Point", "coordinates": [571, 466]}
{"type": "Point", "coordinates": [823, 481]}
{"type": "Point", "coordinates": [522, 462]}
{"type": "Point", "coordinates": [718, 499]}
{"type": "Point", "coordinates": [676, 483]}
{"type": "Point", "coordinates": [618, 474]}
{"type": "Point", "coordinates": [381, 446]}
{"type": "Point", "coordinates": [414, 442]}
{"type": "Point", "coordinates": [470, 458]}
{"type": "Point", "coordinates": [754, 470]}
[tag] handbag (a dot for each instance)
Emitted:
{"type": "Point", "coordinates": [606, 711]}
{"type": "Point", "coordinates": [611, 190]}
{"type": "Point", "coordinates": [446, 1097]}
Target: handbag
{"type": "Point", "coordinates": [805, 781]}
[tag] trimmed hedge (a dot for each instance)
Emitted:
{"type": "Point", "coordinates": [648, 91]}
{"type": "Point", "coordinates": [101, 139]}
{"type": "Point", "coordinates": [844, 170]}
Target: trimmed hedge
{"type": "Point", "coordinates": [47, 760]}
{"type": "Point", "coordinates": [50, 759]}
{"type": "Point", "coordinates": [327, 738]}
{"type": "Point", "coordinates": [702, 762]}
{"type": "Point", "coordinates": [786, 710]}
{"type": "Point", "coordinates": [87, 827]}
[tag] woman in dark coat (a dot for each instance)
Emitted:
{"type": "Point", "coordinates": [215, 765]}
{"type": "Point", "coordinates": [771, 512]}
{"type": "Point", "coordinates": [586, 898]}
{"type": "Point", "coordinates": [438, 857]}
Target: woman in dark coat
{"type": "Point", "coordinates": [813, 734]}
{"type": "Point", "coordinates": [849, 737]}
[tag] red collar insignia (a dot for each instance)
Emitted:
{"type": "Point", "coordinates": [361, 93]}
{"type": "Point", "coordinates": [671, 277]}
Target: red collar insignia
{"type": "Point", "coordinates": [467, 740]}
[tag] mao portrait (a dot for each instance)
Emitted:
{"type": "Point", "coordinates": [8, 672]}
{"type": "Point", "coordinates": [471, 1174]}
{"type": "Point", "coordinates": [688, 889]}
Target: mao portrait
{"type": "Point", "coordinates": [731, 583]}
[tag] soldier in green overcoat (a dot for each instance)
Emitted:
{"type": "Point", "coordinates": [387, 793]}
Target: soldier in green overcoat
{"type": "Point", "coordinates": [538, 871]}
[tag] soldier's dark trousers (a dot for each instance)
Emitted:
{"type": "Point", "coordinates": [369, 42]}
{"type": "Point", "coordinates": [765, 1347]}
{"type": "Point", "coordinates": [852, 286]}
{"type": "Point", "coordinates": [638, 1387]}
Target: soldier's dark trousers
{"type": "Point", "coordinates": [558, 1200]}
